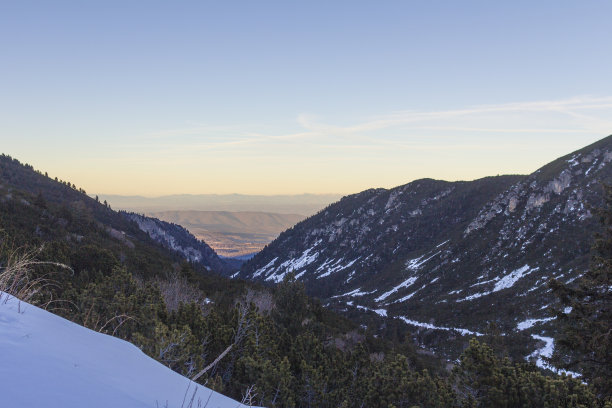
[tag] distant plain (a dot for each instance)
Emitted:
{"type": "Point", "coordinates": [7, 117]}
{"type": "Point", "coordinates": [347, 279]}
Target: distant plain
{"type": "Point", "coordinates": [234, 225]}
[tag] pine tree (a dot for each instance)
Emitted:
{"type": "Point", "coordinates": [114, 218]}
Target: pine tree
{"type": "Point", "coordinates": [39, 201]}
{"type": "Point", "coordinates": [483, 380]}
{"type": "Point", "coordinates": [586, 341]}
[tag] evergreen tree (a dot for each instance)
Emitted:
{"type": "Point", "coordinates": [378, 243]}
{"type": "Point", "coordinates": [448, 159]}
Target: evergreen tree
{"type": "Point", "coordinates": [483, 380]}
{"type": "Point", "coordinates": [40, 201]}
{"type": "Point", "coordinates": [586, 341]}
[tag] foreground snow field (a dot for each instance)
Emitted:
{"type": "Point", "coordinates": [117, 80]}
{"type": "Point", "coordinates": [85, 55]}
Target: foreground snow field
{"type": "Point", "coordinates": [48, 361]}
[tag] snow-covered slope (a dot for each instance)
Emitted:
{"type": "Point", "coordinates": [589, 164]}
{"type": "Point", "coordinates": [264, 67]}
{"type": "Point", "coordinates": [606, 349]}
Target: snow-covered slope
{"type": "Point", "coordinates": [47, 361]}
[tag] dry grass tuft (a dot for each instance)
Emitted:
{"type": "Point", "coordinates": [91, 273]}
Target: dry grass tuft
{"type": "Point", "coordinates": [16, 276]}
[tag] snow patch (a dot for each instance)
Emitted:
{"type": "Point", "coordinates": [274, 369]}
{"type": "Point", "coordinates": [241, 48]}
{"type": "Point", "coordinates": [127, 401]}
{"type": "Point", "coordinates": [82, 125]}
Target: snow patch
{"type": "Point", "coordinates": [546, 352]}
{"type": "Point", "coordinates": [474, 296]}
{"type": "Point", "coordinates": [356, 292]}
{"type": "Point", "coordinates": [293, 265]}
{"type": "Point", "coordinates": [337, 268]}
{"type": "Point", "coordinates": [464, 332]}
{"type": "Point", "coordinates": [484, 282]}
{"type": "Point", "coordinates": [405, 298]}
{"type": "Point", "coordinates": [502, 283]}
{"type": "Point", "coordinates": [415, 264]}
{"type": "Point", "coordinates": [265, 268]}
{"type": "Point", "coordinates": [509, 280]}
{"type": "Point", "coordinates": [408, 282]}
{"type": "Point", "coordinates": [526, 324]}
{"type": "Point", "coordinates": [380, 312]}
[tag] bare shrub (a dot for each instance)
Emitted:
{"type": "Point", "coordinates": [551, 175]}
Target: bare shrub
{"type": "Point", "coordinates": [175, 289]}
{"type": "Point", "coordinates": [249, 396]}
{"type": "Point", "coordinates": [16, 276]}
{"type": "Point", "coordinates": [263, 300]}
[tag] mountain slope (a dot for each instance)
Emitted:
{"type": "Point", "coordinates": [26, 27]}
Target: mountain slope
{"type": "Point", "coordinates": [176, 238]}
{"type": "Point", "coordinates": [32, 205]}
{"type": "Point", "coordinates": [49, 361]}
{"type": "Point", "coordinates": [450, 255]}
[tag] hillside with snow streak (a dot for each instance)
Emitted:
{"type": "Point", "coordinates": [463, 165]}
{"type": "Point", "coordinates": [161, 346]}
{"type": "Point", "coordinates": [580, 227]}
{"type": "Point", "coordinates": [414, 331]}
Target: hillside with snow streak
{"type": "Point", "coordinates": [48, 361]}
{"type": "Point", "coordinates": [450, 255]}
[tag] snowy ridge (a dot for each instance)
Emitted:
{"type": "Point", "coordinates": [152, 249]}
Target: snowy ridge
{"type": "Point", "coordinates": [48, 361]}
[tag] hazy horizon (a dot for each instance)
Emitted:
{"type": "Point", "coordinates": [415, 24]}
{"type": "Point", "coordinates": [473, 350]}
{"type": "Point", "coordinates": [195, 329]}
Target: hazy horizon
{"type": "Point", "coordinates": [212, 194]}
{"type": "Point", "coordinates": [299, 204]}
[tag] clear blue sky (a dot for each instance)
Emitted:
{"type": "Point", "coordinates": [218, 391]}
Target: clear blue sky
{"type": "Point", "coordinates": [156, 97]}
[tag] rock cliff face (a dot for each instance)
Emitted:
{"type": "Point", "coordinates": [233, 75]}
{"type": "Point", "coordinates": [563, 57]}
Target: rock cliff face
{"type": "Point", "coordinates": [445, 256]}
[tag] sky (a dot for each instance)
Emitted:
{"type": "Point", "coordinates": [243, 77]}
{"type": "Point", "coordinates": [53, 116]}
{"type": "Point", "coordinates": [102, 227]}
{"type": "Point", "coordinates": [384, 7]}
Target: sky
{"type": "Point", "coordinates": [279, 97]}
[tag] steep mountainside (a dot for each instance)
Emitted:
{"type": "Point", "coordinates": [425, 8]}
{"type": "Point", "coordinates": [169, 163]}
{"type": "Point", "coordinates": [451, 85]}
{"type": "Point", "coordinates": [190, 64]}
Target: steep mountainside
{"type": "Point", "coordinates": [177, 238]}
{"type": "Point", "coordinates": [446, 256]}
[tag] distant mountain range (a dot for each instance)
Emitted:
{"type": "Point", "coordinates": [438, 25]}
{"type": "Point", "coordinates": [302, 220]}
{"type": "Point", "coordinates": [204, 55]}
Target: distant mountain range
{"type": "Point", "coordinates": [234, 225]}
{"type": "Point", "coordinates": [232, 234]}
{"type": "Point", "coordinates": [450, 258]}
{"type": "Point", "coordinates": [303, 204]}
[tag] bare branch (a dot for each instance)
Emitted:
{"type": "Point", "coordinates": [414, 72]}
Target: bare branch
{"type": "Point", "coordinates": [214, 363]}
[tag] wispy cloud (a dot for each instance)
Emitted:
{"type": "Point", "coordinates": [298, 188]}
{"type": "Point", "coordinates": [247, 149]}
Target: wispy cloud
{"type": "Point", "coordinates": [600, 119]}
{"type": "Point", "coordinates": [315, 154]}
{"type": "Point", "coordinates": [409, 129]}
